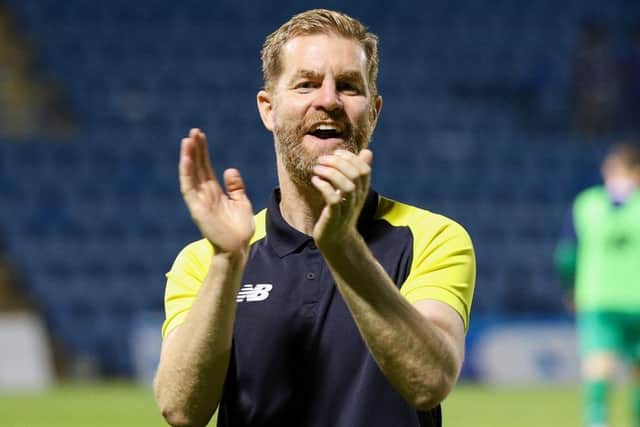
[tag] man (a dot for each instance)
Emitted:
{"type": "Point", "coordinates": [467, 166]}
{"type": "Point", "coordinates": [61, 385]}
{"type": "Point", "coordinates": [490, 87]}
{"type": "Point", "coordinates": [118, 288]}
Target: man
{"type": "Point", "coordinates": [334, 306]}
{"type": "Point", "coordinates": [600, 253]}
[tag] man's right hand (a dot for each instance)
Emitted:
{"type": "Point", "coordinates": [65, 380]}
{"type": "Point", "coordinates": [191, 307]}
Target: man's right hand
{"type": "Point", "coordinates": [225, 219]}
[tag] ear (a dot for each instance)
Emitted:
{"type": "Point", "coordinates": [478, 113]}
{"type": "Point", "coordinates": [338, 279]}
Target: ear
{"type": "Point", "coordinates": [376, 108]}
{"type": "Point", "coordinates": [265, 107]}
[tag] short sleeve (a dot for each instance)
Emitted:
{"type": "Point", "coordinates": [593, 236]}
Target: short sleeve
{"type": "Point", "coordinates": [443, 267]}
{"type": "Point", "coordinates": [188, 272]}
{"type": "Point", "coordinates": [183, 282]}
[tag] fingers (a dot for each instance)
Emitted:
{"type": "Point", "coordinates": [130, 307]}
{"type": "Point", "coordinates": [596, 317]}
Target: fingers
{"type": "Point", "coordinates": [194, 152]}
{"type": "Point", "coordinates": [186, 166]}
{"type": "Point", "coordinates": [345, 170]}
{"type": "Point", "coordinates": [330, 195]}
{"type": "Point", "coordinates": [195, 166]}
{"type": "Point", "coordinates": [366, 156]}
{"type": "Point", "coordinates": [205, 170]}
{"type": "Point", "coordinates": [352, 165]}
{"type": "Point", "coordinates": [336, 177]}
{"type": "Point", "coordinates": [234, 185]}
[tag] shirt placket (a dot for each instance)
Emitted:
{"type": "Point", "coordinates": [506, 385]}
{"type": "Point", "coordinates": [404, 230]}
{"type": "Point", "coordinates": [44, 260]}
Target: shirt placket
{"type": "Point", "coordinates": [312, 286]}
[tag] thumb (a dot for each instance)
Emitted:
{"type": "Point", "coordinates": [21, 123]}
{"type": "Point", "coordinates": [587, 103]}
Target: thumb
{"type": "Point", "coordinates": [366, 156]}
{"type": "Point", "coordinates": [234, 184]}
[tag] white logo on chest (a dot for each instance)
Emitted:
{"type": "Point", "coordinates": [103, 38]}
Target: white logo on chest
{"type": "Point", "coordinates": [253, 293]}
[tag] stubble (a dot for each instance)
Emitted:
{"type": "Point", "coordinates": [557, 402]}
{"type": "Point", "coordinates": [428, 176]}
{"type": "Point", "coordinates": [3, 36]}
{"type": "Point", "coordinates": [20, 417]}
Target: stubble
{"type": "Point", "coordinates": [298, 161]}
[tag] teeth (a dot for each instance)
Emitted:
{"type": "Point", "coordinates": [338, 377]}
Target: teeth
{"type": "Point", "coordinates": [326, 127]}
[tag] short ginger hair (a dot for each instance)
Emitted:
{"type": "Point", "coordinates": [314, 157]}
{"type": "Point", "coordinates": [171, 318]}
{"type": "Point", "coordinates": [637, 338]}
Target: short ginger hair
{"type": "Point", "coordinates": [318, 21]}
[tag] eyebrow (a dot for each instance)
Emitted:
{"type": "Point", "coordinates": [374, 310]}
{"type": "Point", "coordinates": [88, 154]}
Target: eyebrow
{"type": "Point", "coordinates": [305, 74]}
{"type": "Point", "coordinates": [350, 75]}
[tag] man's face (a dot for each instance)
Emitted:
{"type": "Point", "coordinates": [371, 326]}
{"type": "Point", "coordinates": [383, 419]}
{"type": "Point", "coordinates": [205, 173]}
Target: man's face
{"type": "Point", "coordinates": [614, 169]}
{"type": "Point", "coordinates": [320, 102]}
{"type": "Point", "coordinates": [620, 179]}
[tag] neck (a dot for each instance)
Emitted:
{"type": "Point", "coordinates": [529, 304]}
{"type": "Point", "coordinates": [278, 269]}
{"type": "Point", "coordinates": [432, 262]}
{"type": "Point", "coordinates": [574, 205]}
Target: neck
{"type": "Point", "coordinates": [620, 188]}
{"type": "Point", "coordinates": [300, 205]}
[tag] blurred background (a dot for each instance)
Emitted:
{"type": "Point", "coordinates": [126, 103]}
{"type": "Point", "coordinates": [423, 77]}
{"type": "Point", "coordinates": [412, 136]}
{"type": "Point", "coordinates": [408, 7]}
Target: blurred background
{"type": "Point", "coordinates": [495, 114]}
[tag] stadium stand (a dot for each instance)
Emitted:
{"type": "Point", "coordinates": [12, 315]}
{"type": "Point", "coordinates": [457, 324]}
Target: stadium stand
{"type": "Point", "coordinates": [95, 221]}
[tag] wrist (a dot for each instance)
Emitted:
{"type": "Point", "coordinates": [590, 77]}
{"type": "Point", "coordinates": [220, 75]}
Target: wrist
{"type": "Point", "coordinates": [339, 245]}
{"type": "Point", "coordinates": [230, 259]}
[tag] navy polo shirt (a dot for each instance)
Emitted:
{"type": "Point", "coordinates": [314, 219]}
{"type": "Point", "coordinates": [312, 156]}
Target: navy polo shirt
{"type": "Point", "coordinates": [298, 358]}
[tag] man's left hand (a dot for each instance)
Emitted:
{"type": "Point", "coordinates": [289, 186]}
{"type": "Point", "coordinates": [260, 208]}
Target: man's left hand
{"type": "Point", "coordinates": [343, 180]}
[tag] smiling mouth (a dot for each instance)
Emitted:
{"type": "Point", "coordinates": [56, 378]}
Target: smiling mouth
{"type": "Point", "coordinates": [326, 131]}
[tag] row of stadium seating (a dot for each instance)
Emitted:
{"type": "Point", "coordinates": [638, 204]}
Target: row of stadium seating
{"type": "Point", "coordinates": [96, 221]}
{"type": "Point", "coordinates": [95, 40]}
{"type": "Point", "coordinates": [102, 234]}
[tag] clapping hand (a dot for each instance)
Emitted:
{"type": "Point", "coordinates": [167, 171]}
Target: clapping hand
{"type": "Point", "coordinates": [343, 179]}
{"type": "Point", "coordinates": [224, 218]}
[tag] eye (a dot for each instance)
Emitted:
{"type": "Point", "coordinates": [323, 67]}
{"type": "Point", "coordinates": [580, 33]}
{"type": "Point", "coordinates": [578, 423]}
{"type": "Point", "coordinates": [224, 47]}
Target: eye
{"type": "Point", "coordinates": [348, 88]}
{"type": "Point", "coordinates": [306, 85]}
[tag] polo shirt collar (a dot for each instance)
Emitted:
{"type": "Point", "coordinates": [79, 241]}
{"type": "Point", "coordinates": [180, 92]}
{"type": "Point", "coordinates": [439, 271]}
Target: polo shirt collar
{"type": "Point", "coordinates": [285, 239]}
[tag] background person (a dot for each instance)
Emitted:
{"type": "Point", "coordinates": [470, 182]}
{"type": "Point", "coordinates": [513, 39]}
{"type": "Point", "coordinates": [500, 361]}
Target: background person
{"type": "Point", "coordinates": [600, 254]}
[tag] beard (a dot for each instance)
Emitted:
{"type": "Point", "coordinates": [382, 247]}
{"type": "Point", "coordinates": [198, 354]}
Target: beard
{"type": "Point", "coordinates": [298, 161]}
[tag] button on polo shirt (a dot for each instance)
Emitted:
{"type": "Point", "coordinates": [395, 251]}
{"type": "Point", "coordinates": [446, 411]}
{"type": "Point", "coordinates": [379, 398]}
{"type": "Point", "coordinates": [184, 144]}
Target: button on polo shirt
{"type": "Point", "coordinates": [298, 358]}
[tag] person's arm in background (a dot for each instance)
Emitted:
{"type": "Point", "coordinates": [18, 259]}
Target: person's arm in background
{"type": "Point", "coordinates": [195, 355]}
{"type": "Point", "coordinates": [564, 261]}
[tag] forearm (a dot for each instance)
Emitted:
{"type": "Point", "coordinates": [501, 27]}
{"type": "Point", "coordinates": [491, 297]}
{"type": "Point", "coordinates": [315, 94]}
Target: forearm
{"type": "Point", "coordinates": [417, 357]}
{"type": "Point", "coordinates": [194, 364]}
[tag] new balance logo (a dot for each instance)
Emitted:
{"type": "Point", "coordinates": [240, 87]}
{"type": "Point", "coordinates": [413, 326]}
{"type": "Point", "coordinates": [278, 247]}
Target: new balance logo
{"type": "Point", "coordinates": [253, 293]}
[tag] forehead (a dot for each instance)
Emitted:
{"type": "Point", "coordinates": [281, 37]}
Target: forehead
{"type": "Point", "coordinates": [614, 163]}
{"type": "Point", "coordinates": [323, 53]}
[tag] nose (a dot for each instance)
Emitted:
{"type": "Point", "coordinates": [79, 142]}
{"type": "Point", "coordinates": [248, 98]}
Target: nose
{"type": "Point", "coordinates": [328, 97]}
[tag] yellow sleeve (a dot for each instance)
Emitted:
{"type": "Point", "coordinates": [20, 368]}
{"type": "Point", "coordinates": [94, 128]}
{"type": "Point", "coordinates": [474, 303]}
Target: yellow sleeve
{"type": "Point", "coordinates": [443, 267]}
{"type": "Point", "coordinates": [183, 282]}
{"type": "Point", "coordinates": [188, 273]}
